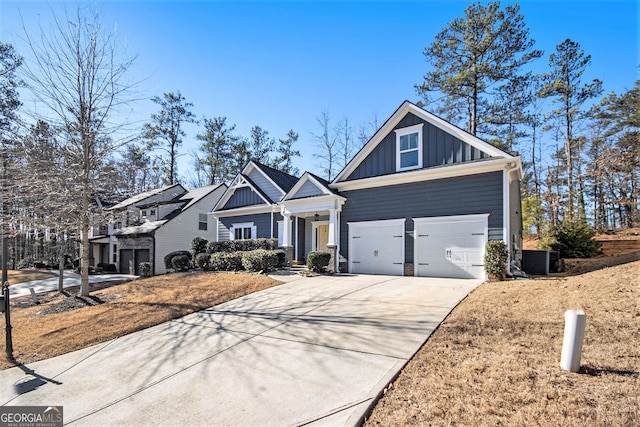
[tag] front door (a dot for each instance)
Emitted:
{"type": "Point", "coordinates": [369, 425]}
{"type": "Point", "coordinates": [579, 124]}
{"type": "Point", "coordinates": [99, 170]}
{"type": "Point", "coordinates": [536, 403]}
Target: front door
{"type": "Point", "coordinates": [322, 238]}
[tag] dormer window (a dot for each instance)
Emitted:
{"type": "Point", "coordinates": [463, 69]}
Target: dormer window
{"type": "Point", "coordinates": [152, 212]}
{"type": "Point", "coordinates": [409, 148]}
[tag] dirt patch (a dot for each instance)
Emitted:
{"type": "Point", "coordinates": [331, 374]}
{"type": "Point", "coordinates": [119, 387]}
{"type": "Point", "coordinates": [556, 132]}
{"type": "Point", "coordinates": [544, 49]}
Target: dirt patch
{"type": "Point", "coordinates": [64, 323]}
{"type": "Point", "coordinates": [495, 359]}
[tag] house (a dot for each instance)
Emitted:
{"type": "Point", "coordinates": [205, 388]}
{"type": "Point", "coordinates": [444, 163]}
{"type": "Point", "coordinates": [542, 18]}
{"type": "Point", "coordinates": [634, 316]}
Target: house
{"type": "Point", "coordinates": [148, 226]}
{"type": "Point", "coordinates": [422, 197]}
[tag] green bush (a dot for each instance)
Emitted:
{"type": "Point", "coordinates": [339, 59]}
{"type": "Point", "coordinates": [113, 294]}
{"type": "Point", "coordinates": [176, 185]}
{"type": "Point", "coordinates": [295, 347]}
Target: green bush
{"type": "Point", "coordinates": [282, 257]}
{"type": "Point", "coordinates": [242, 245]}
{"type": "Point", "coordinates": [145, 269]}
{"type": "Point", "coordinates": [203, 261]}
{"type": "Point", "coordinates": [318, 261]}
{"type": "Point", "coordinates": [168, 258]}
{"type": "Point", "coordinates": [574, 239]}
{"type": "Point", "coordinates": [199, 245]}
{"type": "Point", "coordinates": [181, 262]}
{"type": "Point", "coordinates": [226, 261]}
{"type": "Point", "coordinates": [260, 260]}
{"type": "Point", "coordinates": [495, 260]}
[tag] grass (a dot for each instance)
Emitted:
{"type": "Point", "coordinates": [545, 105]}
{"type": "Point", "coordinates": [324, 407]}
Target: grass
{"type": "Point", "coordinates": [19, 276]}
{"type": "Point", "coordinates": [495, 359]}
{"type": "Point", "coordinates": [118, 310]}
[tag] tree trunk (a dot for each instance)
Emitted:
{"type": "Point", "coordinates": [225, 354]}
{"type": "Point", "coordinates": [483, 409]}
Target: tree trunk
{"type": "Point", "coordinates": [61, 268]}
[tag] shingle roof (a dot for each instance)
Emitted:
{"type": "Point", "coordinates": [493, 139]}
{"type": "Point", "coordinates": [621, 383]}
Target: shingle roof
{"type": "Point", "coordinates": [141, 196]}
{"type": "Point", "coordinates": [282, 180]}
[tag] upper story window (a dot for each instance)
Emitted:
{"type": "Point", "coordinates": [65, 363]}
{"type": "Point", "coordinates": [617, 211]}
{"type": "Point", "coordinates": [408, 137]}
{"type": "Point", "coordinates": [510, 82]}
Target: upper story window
{"type": "Point", "coordinates": [202, 221]}
{"type": "Point", "coordinates": [143, 213]}
{"type": "Point", "coordinates": [152, 212]}
{"type": "Point", "coordinates": [409, 148]}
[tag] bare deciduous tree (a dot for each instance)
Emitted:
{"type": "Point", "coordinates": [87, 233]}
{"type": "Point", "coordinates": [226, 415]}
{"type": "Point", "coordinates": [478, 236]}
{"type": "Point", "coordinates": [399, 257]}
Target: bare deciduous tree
{"type": "Point", "coordinates": [77, 74]}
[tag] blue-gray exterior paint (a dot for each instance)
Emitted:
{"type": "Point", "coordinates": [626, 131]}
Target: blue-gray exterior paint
{"type": "Point", "coordinates": [265, 185]}
{"type": "Point", "coordinates": [223, 232]}
{"type": "Point", "coordinates": [300, 255]}
{"type": "Point", "coordinates": [261, 221]}
{"type": "Point", "coordinates": [308, 189]}
{"type": "Point", "coordinates": [439, 148]}
{"type": "Point", "coordinates": [465, 195]}
{"type": "Point", "coordinates": [243, 196]}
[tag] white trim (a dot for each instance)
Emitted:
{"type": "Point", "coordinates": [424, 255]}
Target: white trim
{"type": "Point", "coordinates": [392, 122]}
{"type": "Point", "coordinates": [280, 224]}
{"type": "Point", "coordinates": [244, 210]}
{"type": "Point", "coordinates": [378, 223]}
{"type": "Point", "coordinates": [255, 166]}
{"type": "Point", "coordinates": [314, 230]}
{"type": "Point", "coordinates": [417, 129]}
{"type": "Point", "coordinates": [243, 225]}
{"type": "Point", "coordinates": [238, 182]}
{"type": "Point", "coordinates": [312, 204]}
{"type": "Point", "coordinates": [306, 177]}
{"type": "Point", "coordinates": [447, 171]}
{"type": "Point", "coordinates": [448, 220]}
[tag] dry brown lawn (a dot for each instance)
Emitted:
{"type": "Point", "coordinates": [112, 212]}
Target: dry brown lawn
{"type": "Point", "coordinates": [495, 360]}
{"type": "Point", "coordinates": [19, 276]}
{"type": "Point", "coordinates": [118, 310]}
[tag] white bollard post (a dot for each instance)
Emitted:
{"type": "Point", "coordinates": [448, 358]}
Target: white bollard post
{"type": "Point", "coordinates": [575, 321]}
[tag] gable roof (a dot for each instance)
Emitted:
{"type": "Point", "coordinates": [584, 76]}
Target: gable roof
{"type": "Point", "coordinates": [405, 108]}
{"type": "Point", "coordinates": [281, 179]}
{"type": "Point", "coordinates": [194, 196]}
{"type": "Point", "coordinates": [321, 185]}
{"type": "Point", "coordinates": [140, 197]}
{"type": "Point", "coordinates": [239, 181]}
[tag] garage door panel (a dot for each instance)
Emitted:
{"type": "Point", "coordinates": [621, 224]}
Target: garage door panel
{"type": "Point", "coordinates": [450, 248]}
{"type": "Point", "coordinates": [377, 248]}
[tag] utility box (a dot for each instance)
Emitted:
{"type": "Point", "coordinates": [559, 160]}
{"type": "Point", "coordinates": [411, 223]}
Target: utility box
{"type": "Point", "coordinates": [540, 262]}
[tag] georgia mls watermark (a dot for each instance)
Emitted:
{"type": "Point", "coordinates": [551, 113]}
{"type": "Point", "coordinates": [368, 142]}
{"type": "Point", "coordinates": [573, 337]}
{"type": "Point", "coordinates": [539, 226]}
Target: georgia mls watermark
{"type": "Point", "coordinates": [30, 416]}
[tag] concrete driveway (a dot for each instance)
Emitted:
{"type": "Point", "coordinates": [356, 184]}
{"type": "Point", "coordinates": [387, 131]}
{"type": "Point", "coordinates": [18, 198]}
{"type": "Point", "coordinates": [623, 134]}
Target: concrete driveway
{"type": "Point", "coordinates": [313, 351]}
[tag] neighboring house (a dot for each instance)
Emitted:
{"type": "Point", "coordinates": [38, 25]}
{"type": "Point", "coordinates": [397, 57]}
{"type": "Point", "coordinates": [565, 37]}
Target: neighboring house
{"type": "Point", "coordinates": [148, 226]}
{"type": "Point", "coordinates": [422, 198]}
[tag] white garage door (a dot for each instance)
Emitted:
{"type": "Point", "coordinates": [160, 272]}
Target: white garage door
{"type": "Point", "coordinates": [450, 246]}
{"type": "Point", "coordinates": [377, 247]}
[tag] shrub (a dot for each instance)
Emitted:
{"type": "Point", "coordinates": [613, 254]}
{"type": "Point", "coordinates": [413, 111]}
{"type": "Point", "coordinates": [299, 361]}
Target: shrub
{"type": "Point", "coordinates": [181, 262]}
{"type": "Point", "coordinates": [574, 239]}
{"type": "Point", "coordinates": [282, 257]}
{"type": "Point", "coordinates": [495, 260]}
{"type": "Point", "coordinates": [260, 260]}
{"type": "Point", "coordinates": [145, 269]}
{"type": "Point", "coordinates": [242, 245]}
{"type": "Point", "coordinates": [109, 268]}
{"type": "Point", "coordinates": [168, 263]}
{"type": "Point", "coordinates": [318, 261]}
{"type": "Point", "coordinates": [199, 245]}
{"type": "Point", "coordinates": [202, 261]}
{"type": "Point", "coordinates": [24, 263]}
{"type": "Point", "coordinates": [226, 261]}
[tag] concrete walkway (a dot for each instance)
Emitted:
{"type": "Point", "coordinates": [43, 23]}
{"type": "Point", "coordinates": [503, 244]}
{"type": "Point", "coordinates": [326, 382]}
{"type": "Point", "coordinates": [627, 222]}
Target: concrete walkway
{"type": "Point", "coordinates": [70, 280]}
{"type": "Point", "coordinates": [313, 351]}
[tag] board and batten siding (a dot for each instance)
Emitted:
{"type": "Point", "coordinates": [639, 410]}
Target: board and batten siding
{"type": "Point", "coordinates": [308, 189]}
{"type": "Point", "coordinates": [439, 148]}
{"type": "Point", "coordinates": [465, 195]}
{"type": "Point", "coordinates": [177, 234]}
{"type": "Point", "coordinates": [243, 196]}
{"type": "Point", "coordinates": [265, 185]}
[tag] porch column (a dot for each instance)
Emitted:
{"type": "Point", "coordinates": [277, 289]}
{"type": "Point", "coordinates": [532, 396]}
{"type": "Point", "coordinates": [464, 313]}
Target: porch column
{"type": "Point", "coordinates": [332, 248]}
{"type": "Point", "coordinates": [286, 237]}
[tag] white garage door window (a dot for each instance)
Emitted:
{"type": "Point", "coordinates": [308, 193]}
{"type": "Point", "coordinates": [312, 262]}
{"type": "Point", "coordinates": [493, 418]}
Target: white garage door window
{"type": "Point", "coordinates": [377, 247]}
{"type": "Point", "coordinates": [450, 246]}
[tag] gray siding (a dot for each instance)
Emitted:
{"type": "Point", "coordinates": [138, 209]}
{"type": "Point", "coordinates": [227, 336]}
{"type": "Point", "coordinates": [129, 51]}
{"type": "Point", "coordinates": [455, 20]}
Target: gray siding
{"type": "Point", "coordinates": [308, 189]}
{"type": "Point", "coordinates": [223, 232]}
{"type": "Point", "coordinates": [263, 184]}
{"type": "Point", "coordinates": [261, 221]}
{"type": "Point", "coordinates": [466, 195]}
{"type": "Point", "coordinates": [300, 255]}
{"type": "Point", "coordinates": [243, 196]}
{"type": "Point", "coordinates": [439, 148]}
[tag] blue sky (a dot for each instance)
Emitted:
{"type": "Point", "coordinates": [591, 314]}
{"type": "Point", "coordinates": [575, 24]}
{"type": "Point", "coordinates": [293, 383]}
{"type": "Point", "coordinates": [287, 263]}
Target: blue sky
{"type": "Point", "coordinates": [279, 64]}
